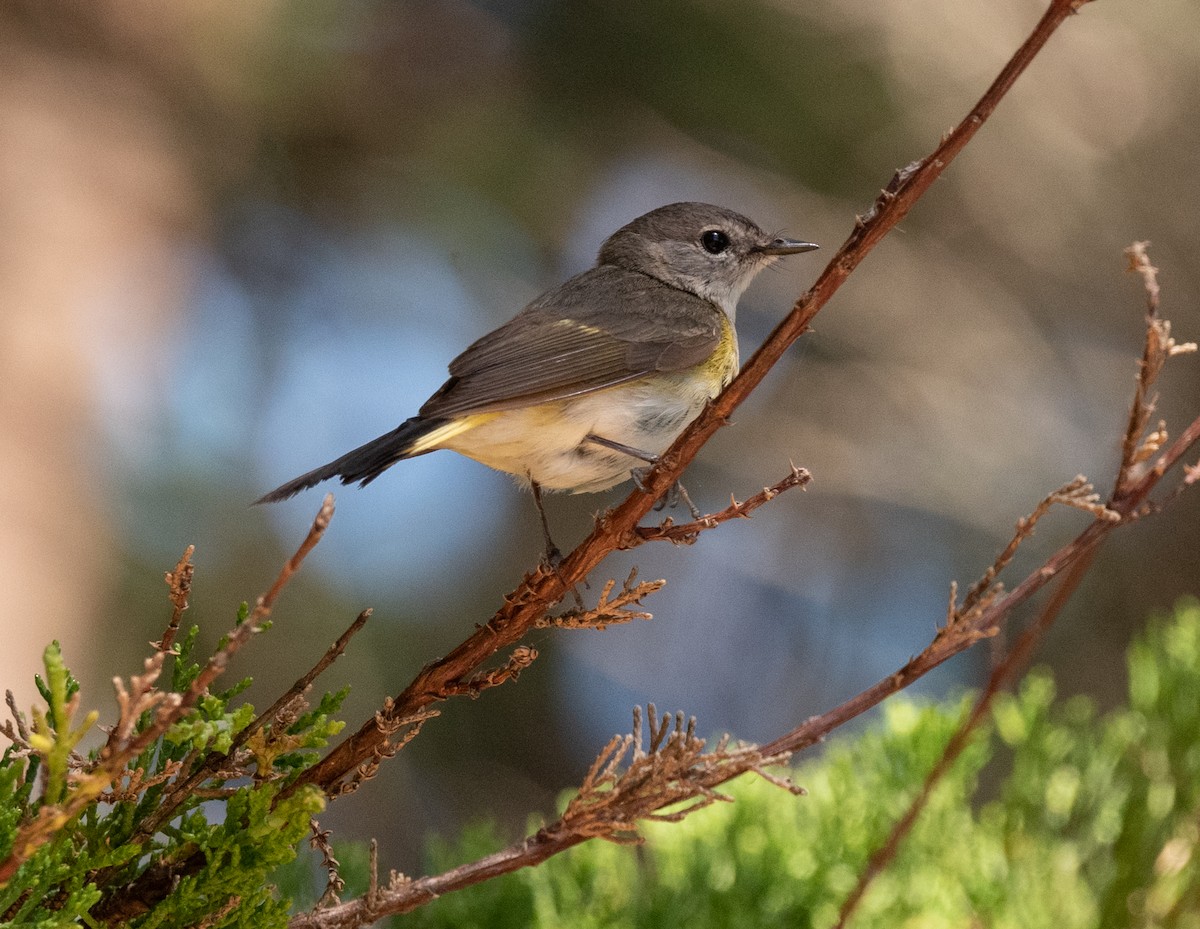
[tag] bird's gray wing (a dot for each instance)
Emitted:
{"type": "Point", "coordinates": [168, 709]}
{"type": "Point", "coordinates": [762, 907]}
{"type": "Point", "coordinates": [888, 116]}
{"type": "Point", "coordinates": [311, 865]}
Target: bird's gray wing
{"type": "Point", "coordinates": [599, 329]}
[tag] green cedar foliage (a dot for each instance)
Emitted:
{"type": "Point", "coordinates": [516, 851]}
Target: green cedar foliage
{"type": "Point", "coordinates": [222, 840]}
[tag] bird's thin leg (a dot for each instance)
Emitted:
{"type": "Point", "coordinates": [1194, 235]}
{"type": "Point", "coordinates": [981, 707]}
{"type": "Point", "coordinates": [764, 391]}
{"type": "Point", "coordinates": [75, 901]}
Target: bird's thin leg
{"type": "Point", "coordinates": [622, 448]}
{"type": "Point", "coordinates": [552, 556]}
{"type": "Point", "coordinates": [672, 496]}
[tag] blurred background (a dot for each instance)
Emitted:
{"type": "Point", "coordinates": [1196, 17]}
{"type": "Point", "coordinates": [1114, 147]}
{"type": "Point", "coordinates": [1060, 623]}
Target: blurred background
{"type": "Point", "coordinates": [240, 239]}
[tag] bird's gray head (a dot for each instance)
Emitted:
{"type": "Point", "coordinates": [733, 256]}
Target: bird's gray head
{"type": "Point", "coordinates": [704, 249]}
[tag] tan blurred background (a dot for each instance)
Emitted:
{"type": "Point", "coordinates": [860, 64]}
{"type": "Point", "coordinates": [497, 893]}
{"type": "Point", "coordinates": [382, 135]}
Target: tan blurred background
{"type": "Point", "coordinates": [239, 239]}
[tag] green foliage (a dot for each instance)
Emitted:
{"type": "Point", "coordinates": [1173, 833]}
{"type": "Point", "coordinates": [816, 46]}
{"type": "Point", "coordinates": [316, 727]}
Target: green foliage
{"type": "Point", "coordinates": [79, 846]}
{"type": "Point", "coordinates": [1096, 823]}
{"type": "Point", "coordinates": [255, 838]}
{"type": "Point", "coordinates": [210, 725]}
{"type": "Point", "coordinates": [52, 736]}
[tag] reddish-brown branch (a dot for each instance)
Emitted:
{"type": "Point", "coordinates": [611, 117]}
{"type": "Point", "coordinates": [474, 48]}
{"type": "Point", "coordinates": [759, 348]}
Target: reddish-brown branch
{"type": "Point", "coordinates": [541, 589]}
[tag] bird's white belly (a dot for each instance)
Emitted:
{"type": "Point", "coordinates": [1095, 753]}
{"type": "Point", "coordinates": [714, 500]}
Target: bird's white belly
{"type": "Point", "coordinates": [548, 443]}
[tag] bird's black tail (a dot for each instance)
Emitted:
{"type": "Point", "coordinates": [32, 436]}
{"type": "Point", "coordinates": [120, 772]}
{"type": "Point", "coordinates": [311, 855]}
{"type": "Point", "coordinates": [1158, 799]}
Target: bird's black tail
{"type": "Point", "coordinates": [365, 463]}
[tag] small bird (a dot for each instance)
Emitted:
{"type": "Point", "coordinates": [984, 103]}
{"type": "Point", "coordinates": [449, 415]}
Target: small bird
{"type": "Point", "coordinates": [597, 377]}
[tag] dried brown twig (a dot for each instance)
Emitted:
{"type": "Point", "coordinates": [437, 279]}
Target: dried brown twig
{"type": "Point", "coordinates": [631, 780]}
{"type": "Point", "coordinates": [388, 744]}
{"type": "Point", "coordinates": [688, 533]}
{"type": "Point", "coordinates": [180, 582]}
{"type": "Point", "coordinates": [1136, 447]}
{"type": "Point", "coordinates": [334, 885]}
{"type": "Point", "coordinates": [609, 610]}
{"type": "Point", "coordinates": [1139, 445]}
{"type": "Point", "coordinates": [543, 588]}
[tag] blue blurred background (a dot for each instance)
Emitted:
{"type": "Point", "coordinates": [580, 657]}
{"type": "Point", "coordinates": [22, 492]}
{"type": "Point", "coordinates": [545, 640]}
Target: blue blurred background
{"type": "Point", "coordinates": [241, 239]}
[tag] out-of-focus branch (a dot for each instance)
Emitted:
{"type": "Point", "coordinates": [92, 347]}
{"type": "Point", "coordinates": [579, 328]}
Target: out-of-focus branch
{"type": "Point", "coordinates": [1136, 447]}
{"type": "Point", "coordinates": [541, 589]}
{"type": "Point", "coordinates": [1001, 676]}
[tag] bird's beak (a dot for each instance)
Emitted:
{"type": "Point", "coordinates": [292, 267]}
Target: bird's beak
{"type": "Point", "coordinates": [786, 247]}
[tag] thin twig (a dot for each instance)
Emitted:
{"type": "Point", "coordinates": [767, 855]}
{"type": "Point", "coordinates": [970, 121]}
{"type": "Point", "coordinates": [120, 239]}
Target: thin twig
{"type": "Point", "coordinates": [320, 523]}
{"type": "Point", "coordinates": [334, 884]}
{"type": "Point", "coordinates": [1077, 493]}
{"type": "Point", "coordinates": [180, 582]}
{"type": "Point", "coordinates": [521, 658]}
{"type": "Point", "coordinates": [302, 684]}
{"type": "Point", "coordinates": [609, 610]}
{"type": "Point", "coordinates": [687, 533]}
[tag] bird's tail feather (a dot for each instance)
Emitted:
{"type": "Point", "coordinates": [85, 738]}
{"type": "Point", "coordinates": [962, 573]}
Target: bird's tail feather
{"type": "Point", "coordinates": [365, 463]}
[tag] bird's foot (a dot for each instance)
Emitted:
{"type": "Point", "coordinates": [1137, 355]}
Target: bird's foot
{"type": "Point", "coordinates": [675, 493]}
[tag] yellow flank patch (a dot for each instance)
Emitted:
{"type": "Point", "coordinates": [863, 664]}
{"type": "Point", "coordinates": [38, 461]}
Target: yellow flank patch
{"type": "Point", "coordinates": [722, 364]}
{"type": "Point", "coordinates": [444, 434]}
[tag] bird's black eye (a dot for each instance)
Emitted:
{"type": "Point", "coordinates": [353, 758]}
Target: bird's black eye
{"type": "Point", "coordinates": [714, 241]}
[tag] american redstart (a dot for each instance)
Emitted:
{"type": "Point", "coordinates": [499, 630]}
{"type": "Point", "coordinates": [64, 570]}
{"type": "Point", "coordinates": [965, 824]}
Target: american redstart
{"type": "Point", "coordinates": [598, 376]}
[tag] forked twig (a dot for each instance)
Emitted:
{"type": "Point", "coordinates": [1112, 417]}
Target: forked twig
{"type": "Point", "coordinates": [1136, 447]}
{"type": "Point", "coordinates": [687, 533]}
{"type": "Point", "coordinates": [609, 610]}
{"type": "Point", "coordinates": [632, 779]}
